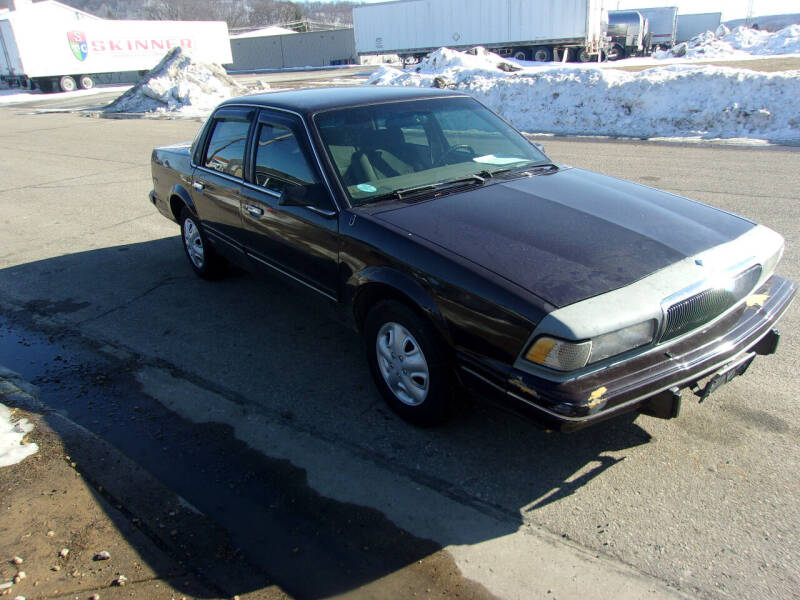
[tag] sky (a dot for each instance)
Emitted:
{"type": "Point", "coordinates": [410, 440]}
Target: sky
{"type": "Point", "coordinates": [730, 9]}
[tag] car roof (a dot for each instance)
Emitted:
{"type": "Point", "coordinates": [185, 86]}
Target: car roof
{"type": "Point", "coordinates": [309, 101]}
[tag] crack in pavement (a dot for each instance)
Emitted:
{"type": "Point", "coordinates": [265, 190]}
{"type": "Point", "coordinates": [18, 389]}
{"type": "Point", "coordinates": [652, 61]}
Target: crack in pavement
{"type": "Point", "coordinates": [42, 184]}
{"type": "Point", "coordinates": [79, 156]}
{"type": "Point", "coordinates": [127, 303]}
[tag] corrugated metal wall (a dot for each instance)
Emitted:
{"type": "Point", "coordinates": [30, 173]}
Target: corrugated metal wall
{"type": "Point", "coordinates": [313, 49]}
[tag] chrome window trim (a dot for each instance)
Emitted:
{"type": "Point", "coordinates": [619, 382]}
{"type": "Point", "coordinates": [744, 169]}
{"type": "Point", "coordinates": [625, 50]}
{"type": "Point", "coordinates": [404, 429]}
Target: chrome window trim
{"type": "Point", "coordinates": [218, 174]}
{"type": "Point", "coordinates": [309, 139]}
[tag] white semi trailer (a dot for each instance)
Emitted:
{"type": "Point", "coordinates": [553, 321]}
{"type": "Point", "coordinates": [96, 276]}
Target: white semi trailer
{"type": "Point", "coordinates": [53, 46]}
{"type": "Point", "coordinates": [540, 30]}
{"type": "Point", "coordinates": [692, 25]}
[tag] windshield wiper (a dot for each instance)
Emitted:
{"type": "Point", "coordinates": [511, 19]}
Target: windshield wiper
{"type": "Point", "coordinates": [522, 169]}
{"type": "Point", "coordinates": [403, 193]}
{"type": "Point", "coordinates": [406, 193]}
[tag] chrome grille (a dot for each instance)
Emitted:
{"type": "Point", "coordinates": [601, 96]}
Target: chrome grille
{"type": "Point", "coordinates": [692, 312]}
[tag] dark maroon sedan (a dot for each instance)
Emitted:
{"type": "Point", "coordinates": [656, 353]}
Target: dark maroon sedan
{"type": "Point", "coordinates": [470, 261]}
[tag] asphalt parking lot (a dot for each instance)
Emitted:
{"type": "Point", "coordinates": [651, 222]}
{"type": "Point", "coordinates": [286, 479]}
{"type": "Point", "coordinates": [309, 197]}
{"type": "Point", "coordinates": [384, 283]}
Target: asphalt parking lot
{"type": "Point", "coordinates": [706, 504]}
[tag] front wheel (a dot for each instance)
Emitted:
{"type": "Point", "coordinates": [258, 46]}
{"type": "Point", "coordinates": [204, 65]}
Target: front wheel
{"type": "Point", "coordinates": [86, 82]}
{"type": "Point", "coordinates": [406, 363]}
{"type": "Point", "coordinates": [202, 257]}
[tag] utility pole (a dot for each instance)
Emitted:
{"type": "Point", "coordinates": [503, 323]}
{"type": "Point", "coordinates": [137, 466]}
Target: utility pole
{"type": "Point", "coordinates": [749, 19]}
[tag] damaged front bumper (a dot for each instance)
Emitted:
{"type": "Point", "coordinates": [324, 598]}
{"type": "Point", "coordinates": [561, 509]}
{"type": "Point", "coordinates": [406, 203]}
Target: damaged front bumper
{"type": "Point", "coordinates": [651, 382]}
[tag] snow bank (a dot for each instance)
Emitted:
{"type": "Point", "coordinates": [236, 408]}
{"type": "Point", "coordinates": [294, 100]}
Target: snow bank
{"type": "Point", "coordinates": [12, 450]}
{"type": "Point", "coordinates": [668, 101]}
{"type": "Point", "coordinates": [742, 41]}
{"type": "Point", "coordinates": [179, 85]}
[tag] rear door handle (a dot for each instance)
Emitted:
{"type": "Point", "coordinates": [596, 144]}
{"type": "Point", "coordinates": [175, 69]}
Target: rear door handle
{"type": "Point", "coordinates": [255, 211]}
{"type": "Point", "coordinates": [198, 186]}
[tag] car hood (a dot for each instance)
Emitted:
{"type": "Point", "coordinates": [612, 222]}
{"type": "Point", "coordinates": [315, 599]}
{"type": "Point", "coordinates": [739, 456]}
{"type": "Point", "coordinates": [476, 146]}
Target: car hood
{"type": "Point", "coordinates": [569, 235]}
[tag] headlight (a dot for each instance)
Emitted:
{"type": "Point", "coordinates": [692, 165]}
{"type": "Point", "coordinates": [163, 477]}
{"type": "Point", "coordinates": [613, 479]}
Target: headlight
{"type": "Point", "coordinates": [568, 356]}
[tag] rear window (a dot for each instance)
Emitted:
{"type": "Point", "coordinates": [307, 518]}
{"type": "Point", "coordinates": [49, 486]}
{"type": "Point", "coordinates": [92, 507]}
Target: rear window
{"type": "Point", "coordinates": [227, 145]}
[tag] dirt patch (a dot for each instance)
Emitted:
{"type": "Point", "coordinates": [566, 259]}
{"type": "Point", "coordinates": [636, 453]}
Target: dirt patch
{"type": "Point", "coordinates": [764, 65]}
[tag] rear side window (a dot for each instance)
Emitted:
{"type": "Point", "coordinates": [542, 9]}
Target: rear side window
{"type": "Point", "coordinates": [226, 148]}
{"type": "Point", "coordinates": [280, 159]}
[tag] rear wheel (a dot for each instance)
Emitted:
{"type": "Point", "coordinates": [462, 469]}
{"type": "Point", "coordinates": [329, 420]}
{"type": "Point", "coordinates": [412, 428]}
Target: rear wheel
{"type": "Point", "coordinates": [616, 52]}
{"type": "Point", "coordinates": [86, 82]}
{"type": "Point", "coordinates": [202, 257]}
{"type": "Point", "coordinates": [406, 363]}
{"type": "Point", "coordinates": [543, 54]}
{"type": "Point", "coordinates": [67, 84]}
{"type": "Point", "coordinates": [585, 57]}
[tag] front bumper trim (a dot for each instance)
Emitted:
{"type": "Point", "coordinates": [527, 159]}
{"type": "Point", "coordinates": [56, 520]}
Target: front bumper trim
{"type": "Point", "coordinates": [621, 407]}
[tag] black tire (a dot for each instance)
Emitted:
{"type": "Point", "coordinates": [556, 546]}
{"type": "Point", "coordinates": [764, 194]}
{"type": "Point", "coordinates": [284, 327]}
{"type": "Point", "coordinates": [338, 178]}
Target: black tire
{"type": "Point", "coordinates": [520, 54]}
{"type": "Point", "coordinates": [207, 264]}
{"type": "Point", "coordinates": [616, 52]}
{"type": "Point", "coordinates": [542, 54]}
{"type": "Point", "coordinates": [585, 57]}
{"type": "Point", "coordinates": [45, 85]}
{"type": "Point", "coordinates": [86, 82]}
{"type": "Point", "coordinates": [433, 408]}
{"type": "Point", "coordinates": [67, 84]}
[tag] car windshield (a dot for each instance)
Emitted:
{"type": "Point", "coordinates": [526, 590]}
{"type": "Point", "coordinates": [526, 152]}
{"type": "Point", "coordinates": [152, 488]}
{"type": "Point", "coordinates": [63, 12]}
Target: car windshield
{"type": "Point", "coordinates": [393, 149]}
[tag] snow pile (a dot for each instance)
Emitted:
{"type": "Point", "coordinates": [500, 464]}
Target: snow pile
{"type": "Point", "coordinates": [742, 41]}
{"type": "Point", "coordinates": [477, 59]}
{"type": "Point", "coordinates": [179, 85]}
{"type": "Point", "coordinates": [264, 32]}
{"type": "Point", "coordinates": [668, 101]}
{"type": "Point", "coordinates": [12, 450]}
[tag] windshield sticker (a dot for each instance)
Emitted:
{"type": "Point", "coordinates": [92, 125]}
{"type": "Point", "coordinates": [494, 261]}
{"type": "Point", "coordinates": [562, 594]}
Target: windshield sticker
{"type": "Point", "coordinates": [491, 159]}
{"type": "Point", "coordinates": [366, 187]}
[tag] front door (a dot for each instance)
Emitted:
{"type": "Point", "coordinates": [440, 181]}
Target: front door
{"type": "Point", "coordinates": [302, 241]}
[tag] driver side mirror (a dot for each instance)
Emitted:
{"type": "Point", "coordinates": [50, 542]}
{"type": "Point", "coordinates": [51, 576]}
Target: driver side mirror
{"type": "Point", "coordinates": [312, 196]}
{"type": "Point", "coordinates": [295, 195]}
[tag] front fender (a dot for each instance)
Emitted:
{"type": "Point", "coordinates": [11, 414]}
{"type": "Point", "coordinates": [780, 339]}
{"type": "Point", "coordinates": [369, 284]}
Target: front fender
{"type": "Point", "coordinates": [386, 282]}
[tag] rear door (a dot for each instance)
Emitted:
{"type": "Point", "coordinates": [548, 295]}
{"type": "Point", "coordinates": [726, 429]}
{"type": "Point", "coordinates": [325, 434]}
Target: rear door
{"type": "Point", "coordinates": [217, 181]}
{"type": "Point", "coordinates": [301, 241]}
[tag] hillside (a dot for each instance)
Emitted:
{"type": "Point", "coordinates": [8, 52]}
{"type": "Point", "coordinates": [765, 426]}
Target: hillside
{"type": "Point", "coordinates": [237, 13]}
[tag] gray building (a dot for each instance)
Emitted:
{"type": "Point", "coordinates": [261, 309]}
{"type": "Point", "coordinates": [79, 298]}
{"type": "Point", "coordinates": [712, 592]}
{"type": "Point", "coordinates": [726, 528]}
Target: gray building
{"type": "Point", "coordinates": [312, 49]}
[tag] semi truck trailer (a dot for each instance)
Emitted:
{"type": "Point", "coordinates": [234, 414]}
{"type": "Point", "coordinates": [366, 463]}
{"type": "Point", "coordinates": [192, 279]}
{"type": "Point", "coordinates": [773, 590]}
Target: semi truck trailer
{"type": "Point", "coordinates": [692, 25]}
{"type": "Point", "coordinates": [52, 46]}
{"type": "Point", "coordinates": [540, 30]}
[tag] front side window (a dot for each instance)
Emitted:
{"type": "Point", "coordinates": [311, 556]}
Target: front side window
{"type": "Point", "coordinates": [280, 159]}
{"type": "Point", "coordinates": [391, 148]}
{"type": "Point", "coordinates": [226, 148]}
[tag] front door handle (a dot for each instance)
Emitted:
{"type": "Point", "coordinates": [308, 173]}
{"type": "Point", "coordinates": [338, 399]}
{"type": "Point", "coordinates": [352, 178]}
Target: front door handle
{"type": "Point", "coordinates": [255, 211]}
{"type": "Point", "coordinates": [198, 186]}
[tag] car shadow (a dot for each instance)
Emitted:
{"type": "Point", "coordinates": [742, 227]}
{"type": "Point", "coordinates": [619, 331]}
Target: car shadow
{"type": "Point", "coordinates": [297, 458]}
